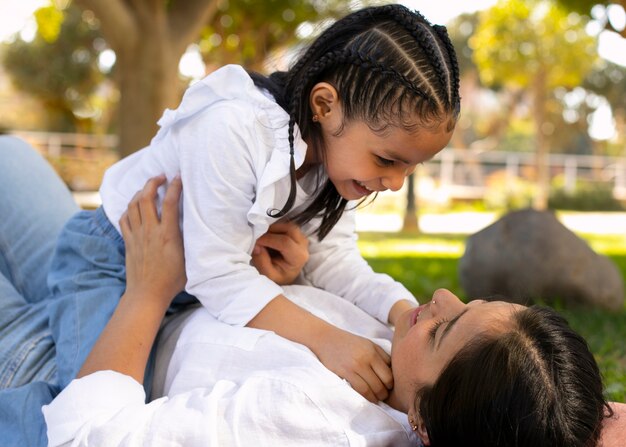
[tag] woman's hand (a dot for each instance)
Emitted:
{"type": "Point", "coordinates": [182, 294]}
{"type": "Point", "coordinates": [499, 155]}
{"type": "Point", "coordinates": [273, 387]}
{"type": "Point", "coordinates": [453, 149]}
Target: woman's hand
{"type": "Point", "coordinates": [281, 253]}
{"type": "Point", "coordinates": [155, 263]}
{"type": "Point", "coordinates": [155, 273]}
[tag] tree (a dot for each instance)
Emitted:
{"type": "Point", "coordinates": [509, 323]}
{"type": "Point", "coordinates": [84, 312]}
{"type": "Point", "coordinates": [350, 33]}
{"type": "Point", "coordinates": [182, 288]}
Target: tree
{"type": "Point", "coordinates": [585, 6]}
{"type": "Point", "coordinates": [535, 45]}
{"type": "Point", "coordinates": [238, 35]}
{"type": "Point", "coordinates": [59, 67]}
{"type": "Point", "coordinates": [148, 37]}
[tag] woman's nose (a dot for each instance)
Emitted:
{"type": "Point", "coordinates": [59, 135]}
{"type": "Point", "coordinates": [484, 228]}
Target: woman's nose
{"type": "Point", "coordinates": [443, 299]}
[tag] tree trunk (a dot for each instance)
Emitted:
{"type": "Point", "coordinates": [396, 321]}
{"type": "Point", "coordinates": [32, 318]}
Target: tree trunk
{"type": "Point", "coordinates": [148, 37]}
{"type": "Point", "coordinates": [149, 84]}
{"type": "Point", "coordinates": [411, 221]}
{"type": "Point", "coordinates": [542, 151]}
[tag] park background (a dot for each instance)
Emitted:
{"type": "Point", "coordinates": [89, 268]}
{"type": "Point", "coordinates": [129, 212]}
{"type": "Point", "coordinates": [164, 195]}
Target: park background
{"type": "Point", "coordinates": [543, 122]}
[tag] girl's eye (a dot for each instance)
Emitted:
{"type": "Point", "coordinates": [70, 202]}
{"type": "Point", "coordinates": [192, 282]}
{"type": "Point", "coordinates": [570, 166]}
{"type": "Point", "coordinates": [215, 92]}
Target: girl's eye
{"type": "Point", "coordinates": [433, 330]}
{"type": "Point", "coordinates": [384, 161]}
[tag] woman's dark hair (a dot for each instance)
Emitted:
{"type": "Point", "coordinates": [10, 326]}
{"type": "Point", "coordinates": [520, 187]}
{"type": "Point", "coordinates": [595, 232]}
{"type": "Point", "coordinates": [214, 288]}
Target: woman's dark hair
{"type": "Point", "coordinates": [535, 385]}
{"type": "Point", "coordinates": [388, 65]}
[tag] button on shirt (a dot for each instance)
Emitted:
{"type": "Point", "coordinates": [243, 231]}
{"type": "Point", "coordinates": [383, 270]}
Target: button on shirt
{"type": "Point", "coordinates": [233, 386]}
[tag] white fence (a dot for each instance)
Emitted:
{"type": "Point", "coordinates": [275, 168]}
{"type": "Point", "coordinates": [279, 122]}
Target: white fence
{"type": "Point", "coordinates": [462, 173]}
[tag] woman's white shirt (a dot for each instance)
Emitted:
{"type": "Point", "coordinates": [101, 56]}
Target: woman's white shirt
{"type": "Point", "coordinates": [233, 386]}
{"type": "Point", "coordinates": [228, 141]}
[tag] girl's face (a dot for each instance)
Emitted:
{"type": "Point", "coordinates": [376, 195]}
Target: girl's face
{"type": "Point", "coordinates": [359, 161]}
{"type": "Point", "coordinates": [428, 337]}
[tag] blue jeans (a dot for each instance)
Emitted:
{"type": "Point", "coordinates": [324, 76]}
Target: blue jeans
{"type": "Point", "coordinates": [34, 205]}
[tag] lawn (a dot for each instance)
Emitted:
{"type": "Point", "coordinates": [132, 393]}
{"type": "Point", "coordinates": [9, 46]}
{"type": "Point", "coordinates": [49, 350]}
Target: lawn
{"type": "Point", "coordinates": [424, 263]}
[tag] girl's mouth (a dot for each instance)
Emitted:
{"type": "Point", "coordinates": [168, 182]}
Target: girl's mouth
{"type": "Point", "coordinates": [361, 188]}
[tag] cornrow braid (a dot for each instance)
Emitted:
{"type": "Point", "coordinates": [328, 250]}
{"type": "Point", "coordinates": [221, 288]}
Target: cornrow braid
{"type": "Point", "coordinates": [390, 68]}
{"type": "Point", "coordinates": [455, 99]}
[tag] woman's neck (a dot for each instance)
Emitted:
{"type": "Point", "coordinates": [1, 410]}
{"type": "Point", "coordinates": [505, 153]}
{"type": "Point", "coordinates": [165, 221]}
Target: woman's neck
{"type": "Point", "coordinates": [394, 401]}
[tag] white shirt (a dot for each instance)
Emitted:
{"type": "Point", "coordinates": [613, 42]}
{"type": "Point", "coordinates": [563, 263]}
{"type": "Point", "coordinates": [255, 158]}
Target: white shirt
{"type": "Point", "coordinates": [228, 140]}
{"type": "Point", "coordinates": [231, 386]}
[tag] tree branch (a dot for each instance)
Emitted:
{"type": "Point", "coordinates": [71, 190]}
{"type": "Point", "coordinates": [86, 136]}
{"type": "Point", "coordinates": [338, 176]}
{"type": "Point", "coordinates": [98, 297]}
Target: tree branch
{"type": "Point", "coordinates": [117, 22]}
{"type": "Point", "coordinates": [187, 18]}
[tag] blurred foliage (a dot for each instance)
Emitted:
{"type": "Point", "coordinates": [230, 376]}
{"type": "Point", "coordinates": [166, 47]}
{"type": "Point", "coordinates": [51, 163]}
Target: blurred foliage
{"type": "Point", "coordinates": [61, 71]}
{"type": "Point", "coordinates": [516, 39]}
{"type": "Point", "coordinates": [586, 196]}
{"type": "Point", "coordinates": [247, 31]}
{"type": "Point", "coordinates": [586, 6]}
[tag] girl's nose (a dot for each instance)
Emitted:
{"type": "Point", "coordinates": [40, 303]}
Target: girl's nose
{"type": "Point", "coordinates": [394, 182]}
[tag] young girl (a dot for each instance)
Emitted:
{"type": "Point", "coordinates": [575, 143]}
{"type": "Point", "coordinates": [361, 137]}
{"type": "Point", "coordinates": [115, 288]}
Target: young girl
{"type": "Point", "coordinates": [374, 96]}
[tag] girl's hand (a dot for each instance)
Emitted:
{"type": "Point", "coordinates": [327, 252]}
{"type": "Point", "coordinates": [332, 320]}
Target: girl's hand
{"type": "Point", "coordinates": [364, 364]}
{"type": "Point", "coordinates": [281, 253]}
{"type": "Point", "coordinates": [155, 263]}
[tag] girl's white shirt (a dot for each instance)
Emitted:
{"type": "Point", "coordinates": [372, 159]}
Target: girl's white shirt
{"type": "Point", "coordinates": [233, 386]}
{"type": "Point", "coordinates": [228, 140]}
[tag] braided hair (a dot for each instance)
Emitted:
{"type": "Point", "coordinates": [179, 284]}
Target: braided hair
{"type": "Point", "coordinates": [388, 64]}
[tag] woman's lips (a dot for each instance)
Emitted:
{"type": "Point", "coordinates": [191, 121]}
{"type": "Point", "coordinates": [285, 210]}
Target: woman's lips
{"type": "Point", "coordinates": [416, 313]}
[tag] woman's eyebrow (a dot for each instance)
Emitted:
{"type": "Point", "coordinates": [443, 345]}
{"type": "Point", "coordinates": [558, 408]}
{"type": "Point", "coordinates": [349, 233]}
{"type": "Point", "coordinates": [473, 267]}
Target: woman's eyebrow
{"type": "Point", "coordinates": [449, 326]}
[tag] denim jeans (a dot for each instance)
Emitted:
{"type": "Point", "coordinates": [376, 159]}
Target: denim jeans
{"type": "Point", "coordinates": [34, 205]}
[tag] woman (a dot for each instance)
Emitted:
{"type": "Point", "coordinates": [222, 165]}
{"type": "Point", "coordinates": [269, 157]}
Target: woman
{"type": "Point", "coordinates": [236, 406]}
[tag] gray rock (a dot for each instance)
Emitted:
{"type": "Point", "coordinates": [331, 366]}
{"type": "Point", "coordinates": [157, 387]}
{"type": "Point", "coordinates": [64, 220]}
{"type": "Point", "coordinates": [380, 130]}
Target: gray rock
{"type": "Point", "coordinates": [529, 254]}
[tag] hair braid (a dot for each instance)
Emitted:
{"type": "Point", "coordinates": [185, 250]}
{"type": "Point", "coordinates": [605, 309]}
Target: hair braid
{"type": "Point", "coordinates": [426, 40]}
{"type": "Point", "coordinates": [390, 67]}
{"type": "Point", "coordinates": [455, 100]}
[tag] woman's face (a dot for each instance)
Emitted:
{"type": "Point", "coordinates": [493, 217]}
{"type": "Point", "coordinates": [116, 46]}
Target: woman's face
{"type": "Point", "coordinates": [428, 337]}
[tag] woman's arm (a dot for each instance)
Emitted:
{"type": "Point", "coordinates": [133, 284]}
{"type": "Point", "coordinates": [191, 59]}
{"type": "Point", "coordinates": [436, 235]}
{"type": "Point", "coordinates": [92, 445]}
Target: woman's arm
{"type": "Point", "coordinates": [155, 274]}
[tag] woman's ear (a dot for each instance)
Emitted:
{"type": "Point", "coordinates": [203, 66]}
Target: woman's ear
{"type": "Point", "coordinates": [419, 427]}
{"type": "Point", "coordinates": [324, 101]}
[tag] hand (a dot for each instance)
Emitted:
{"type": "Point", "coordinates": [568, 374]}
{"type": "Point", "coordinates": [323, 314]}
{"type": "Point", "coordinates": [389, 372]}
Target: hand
{"type": "Point", "coordinates": [281, 253]}
{"type": "Point", "coordinates": [155, 264]}
{"type": "Point", "coordinates": [364, 364]}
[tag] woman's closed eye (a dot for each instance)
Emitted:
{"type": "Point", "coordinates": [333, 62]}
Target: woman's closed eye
{"type": "Point", "coordinates": [433, 330]}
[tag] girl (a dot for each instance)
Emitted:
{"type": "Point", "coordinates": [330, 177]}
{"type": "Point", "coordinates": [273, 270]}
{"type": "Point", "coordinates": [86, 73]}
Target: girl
{"type": "Point", "coordinates": [375, 95]}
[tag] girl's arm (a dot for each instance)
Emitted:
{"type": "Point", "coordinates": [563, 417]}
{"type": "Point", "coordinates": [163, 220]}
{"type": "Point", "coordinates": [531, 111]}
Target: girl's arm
{"type": "Point", "coordinates": [361, 362]}
{"type": "Point", "coordinates": [155, 271]}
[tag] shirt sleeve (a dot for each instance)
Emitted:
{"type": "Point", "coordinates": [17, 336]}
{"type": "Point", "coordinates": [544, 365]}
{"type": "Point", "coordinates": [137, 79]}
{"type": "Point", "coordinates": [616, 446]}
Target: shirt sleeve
{"type": "Point", "coordinates": [349, 275]}
{"type": "Point", "coordinates": [223, 153]}
{"type": "Point", "coordinates": [107, 409]}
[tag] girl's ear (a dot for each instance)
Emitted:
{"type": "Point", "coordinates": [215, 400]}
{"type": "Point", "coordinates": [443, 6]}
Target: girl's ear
{"type": "Point", "coordinates": [324, 101]}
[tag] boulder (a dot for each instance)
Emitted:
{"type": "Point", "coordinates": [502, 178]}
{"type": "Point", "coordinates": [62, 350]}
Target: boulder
{"type": "Point", "coordinates": [529, 254]}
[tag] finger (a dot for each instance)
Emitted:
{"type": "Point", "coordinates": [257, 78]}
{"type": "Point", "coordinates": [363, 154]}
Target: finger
{"type": "Point", "coordinates": [147, 199]}
{"type": "Point", "coordinates": [278, 242]}
{"type": "Point", "coordinates": [262, 261]}
{"type": "Point", "coordinates": [360, 386]}
{"type": "Point", "coordinates": [381, 367]}
{"type": "Point", "coordinates": [125, 227]}
{"type": "Point", "coordinates": [133, 212]}
{"type": "Point", "coordinates": [374, 383]}
{"type": "Point", "coordinates": [170, 209]}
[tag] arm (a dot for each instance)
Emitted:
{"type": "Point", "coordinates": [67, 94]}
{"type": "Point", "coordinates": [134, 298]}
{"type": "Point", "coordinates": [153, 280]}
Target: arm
{"type": "Point", "coordinates": [155, 274]}
{"type": "Point", "coordinates": [351, 277]}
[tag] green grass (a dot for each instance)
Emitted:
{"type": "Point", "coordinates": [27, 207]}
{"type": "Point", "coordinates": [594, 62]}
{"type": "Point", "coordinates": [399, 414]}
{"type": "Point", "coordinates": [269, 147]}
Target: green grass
{"type": "Point", "coordinates": [425, 263]}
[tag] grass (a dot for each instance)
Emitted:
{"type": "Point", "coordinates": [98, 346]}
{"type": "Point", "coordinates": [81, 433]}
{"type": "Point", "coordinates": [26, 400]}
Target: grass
{"type": "Point", "coordinates": [425, 263]}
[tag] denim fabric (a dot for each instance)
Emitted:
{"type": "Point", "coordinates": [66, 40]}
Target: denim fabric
{"type": "Point", "coordinates": [87, 278]}
{"type": "Point", "coordinates": [34, 205]}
